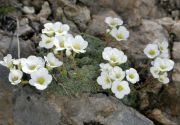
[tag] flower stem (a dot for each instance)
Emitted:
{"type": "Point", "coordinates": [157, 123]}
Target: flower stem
{"type": "Point", "coordinates": [18, 43]}
{"type": "Point", "coordinates": [73, 60]}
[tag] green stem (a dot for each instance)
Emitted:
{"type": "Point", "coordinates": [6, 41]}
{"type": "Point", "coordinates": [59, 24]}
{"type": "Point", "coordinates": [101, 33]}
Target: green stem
{"type": "Point", "coordinates": [73, 60]}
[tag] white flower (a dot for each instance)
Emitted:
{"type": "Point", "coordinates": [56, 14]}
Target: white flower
{"type": "Point", "coordinates": [32, 64]}
{"type": "Point", "coordinates": [163, 48]}
{"type": "Point", "coordinates": [52, 61]}
{"type": "Point", "coordinates": [78, 44]}
{"type": "Point", "coordinates": [162, 45]}
{"type": "Point", "coordinates": [165, 54]}
{"type": "Point", "coordinates": [113, 22]}
{"type": "Point", "coordinates": [68, 43]}
{"type": "Point", "coordinates": [114, 56]}
{"type": "Point", "coordinates": [18, 61]}
{"type": "Point", "coordinates": [40, 79]}
{"type": "Point", "coordinates": [61, 29]}
{"type": "Point", "coordinates": [7, 61]}
{"type": "Point", "coordinates": [104, 80]}
{"type": "Point", "coordinates": [117, 73]}
{"type": "Point", "coordinates": [60, 41]}
{"type": "Point", "coordinates": [15, 76]}
{"type": "Point", "coordinates": [164, 78]}
{"type": "Point", "coordinates": [68, 52]}
{"type": "Point", "coordinates": [105, 67]}
{"type": "Point", "coordinates": [49, 29]}
{"type": "Point", "coordinates": [151, 51]}
{"type": "Point", "coordinates": [120, 34]}
{"type": "Point", "coordinates": [164, 64]}
{"type": "Point", "coordinates": [120, 89]}
{"type": "Point", "coordinates": [46, 42]}
{"type": "Point", "coordinates": [132, 75]}
{"type": "Point", "coordinates": [108, 30]}
{"type": "Point", "coordinates": [155, 72]}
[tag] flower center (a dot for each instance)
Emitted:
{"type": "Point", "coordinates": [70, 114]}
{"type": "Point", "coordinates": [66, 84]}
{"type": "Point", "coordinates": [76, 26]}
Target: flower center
{"type": "Point", "coordinates": [163, 67]}
{"type": "Point", "coordinates": [156, 71]}
{"type": "Point", "coordinates": [131, 76]}
{"type": "Point", "coordinates": [15, 78]}
{"type": "Point", "coordinates": [161, 48]}
{"type": "Point", "coordinates": [152, 52]}
{"type": "Point", "coordinates": [40, 80]}
{"type": "Point", "coordinates": [120, 88]}
{"type": "Point", "coordinates": [107, 80]}
{"type": "Point", "coordinates": [161, 79]}
{"type": "Point", "coordinates": [32, 67]}
{"type": "Point", "coordinates": [51, 63]}
{"type": "Point", "coordinates": [113, 23]}
{"type": "Point", "coordinates": [77, 46]}
{"type": "Point", "coordinates": [48, 41]}
{"type": "Point", "coordinates": [119, 36]}
{"type": "Point", "coordinates": [60, 31]}
{"type": "Point", "coordinates": [61, 44]}
{"type": "Point", "coordinates": [118, 76]}
{"type": "Point", "coordinates": [113, 59]}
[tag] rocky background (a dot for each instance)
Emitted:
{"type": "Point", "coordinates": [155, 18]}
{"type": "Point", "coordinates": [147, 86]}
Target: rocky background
{"type": "Point", "coordinates": [146, 19]}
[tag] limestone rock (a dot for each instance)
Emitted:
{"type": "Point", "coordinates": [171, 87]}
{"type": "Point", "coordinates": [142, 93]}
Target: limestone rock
{"type": "Point", "coordinates": [45, 11]}
{"type": "Point", "coordinates": [176, 29]}
{"type": "Point", "coordinates": [8, 44]}
{"type": "Point", "coordinates": [80, 15]}
{"type": "Point", "coordinates": [160, 117]}
{"type": "Point", "coordinates": [166, 22]}
{"type": "Point", "coordinates": [97, 25]}
{"type": "Point", "coordinates": [97, 5]}
{"type": "Point", "coordinates": [24, 28]}
{"type": "Point", "coordinates": [176, 51]}
{"type": "Point", "coordinates": [28, 10]}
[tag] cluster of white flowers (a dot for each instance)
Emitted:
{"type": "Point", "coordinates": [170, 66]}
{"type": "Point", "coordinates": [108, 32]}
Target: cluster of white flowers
{"type": "Point", "coordinates": [54, 36]}
{"type": "Point", "coordinates": [112, 75]}
{"type": "Point", "coordinates": [116, 29]}
{"type": "Point", "coordinates": [34, 66]}
{"type": "Point", "coordinates": [161, 64]}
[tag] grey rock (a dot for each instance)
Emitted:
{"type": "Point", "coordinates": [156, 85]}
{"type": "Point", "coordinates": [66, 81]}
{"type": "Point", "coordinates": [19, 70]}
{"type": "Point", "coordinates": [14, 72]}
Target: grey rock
{"type": "Point", "coordinates": [45, 11]}
{"type": "Point", "coordinates": [176, 78]}
{"type": "Point", "coordinates": [8, 44]}
{"type": "Point", "coordinates": [159, 116]}
{"type": "Point", "coordinates": [6, 106]}
{"type": "Point", "coordinates": [98, 109]}
{"type": "Point", "coordinates": [176, 73]}
{"type": "Point", "coordinates": [175, 14]}
{"type": "Point", "coordinates": [149, 8]}
{"type": "Point", "coordinates": [31, 109]}
{"type": "Point", "coordinates": [24, 28]}
{"type": "Point", "coordinates": [79, 14]}
{"type": "Point", "coordinates": [61, 4]}
{"type": "Point", "coordinates": [33, 3]}
{"type": "Point", "coordinates": [58, 13]}
{"type": "Point", "coordinates": [166, 22]}
{"type": "Point", "coordinates": [176, 29]}
{"type": "Point", "coordinates": [73, 27]}
{"type": "Point", "coordinates": [28, 10]}
{"type": "Point", "coordinates": [97, 5]}
{"type": "Point", "coordinates": [176, 51]}
{"type": "Point", "coordinates": [97, 25]}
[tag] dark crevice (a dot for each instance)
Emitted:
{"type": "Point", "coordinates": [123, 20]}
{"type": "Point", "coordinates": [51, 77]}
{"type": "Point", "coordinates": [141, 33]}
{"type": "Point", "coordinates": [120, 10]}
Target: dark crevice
{"type": "Point", "coordinates": [92, 123]}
